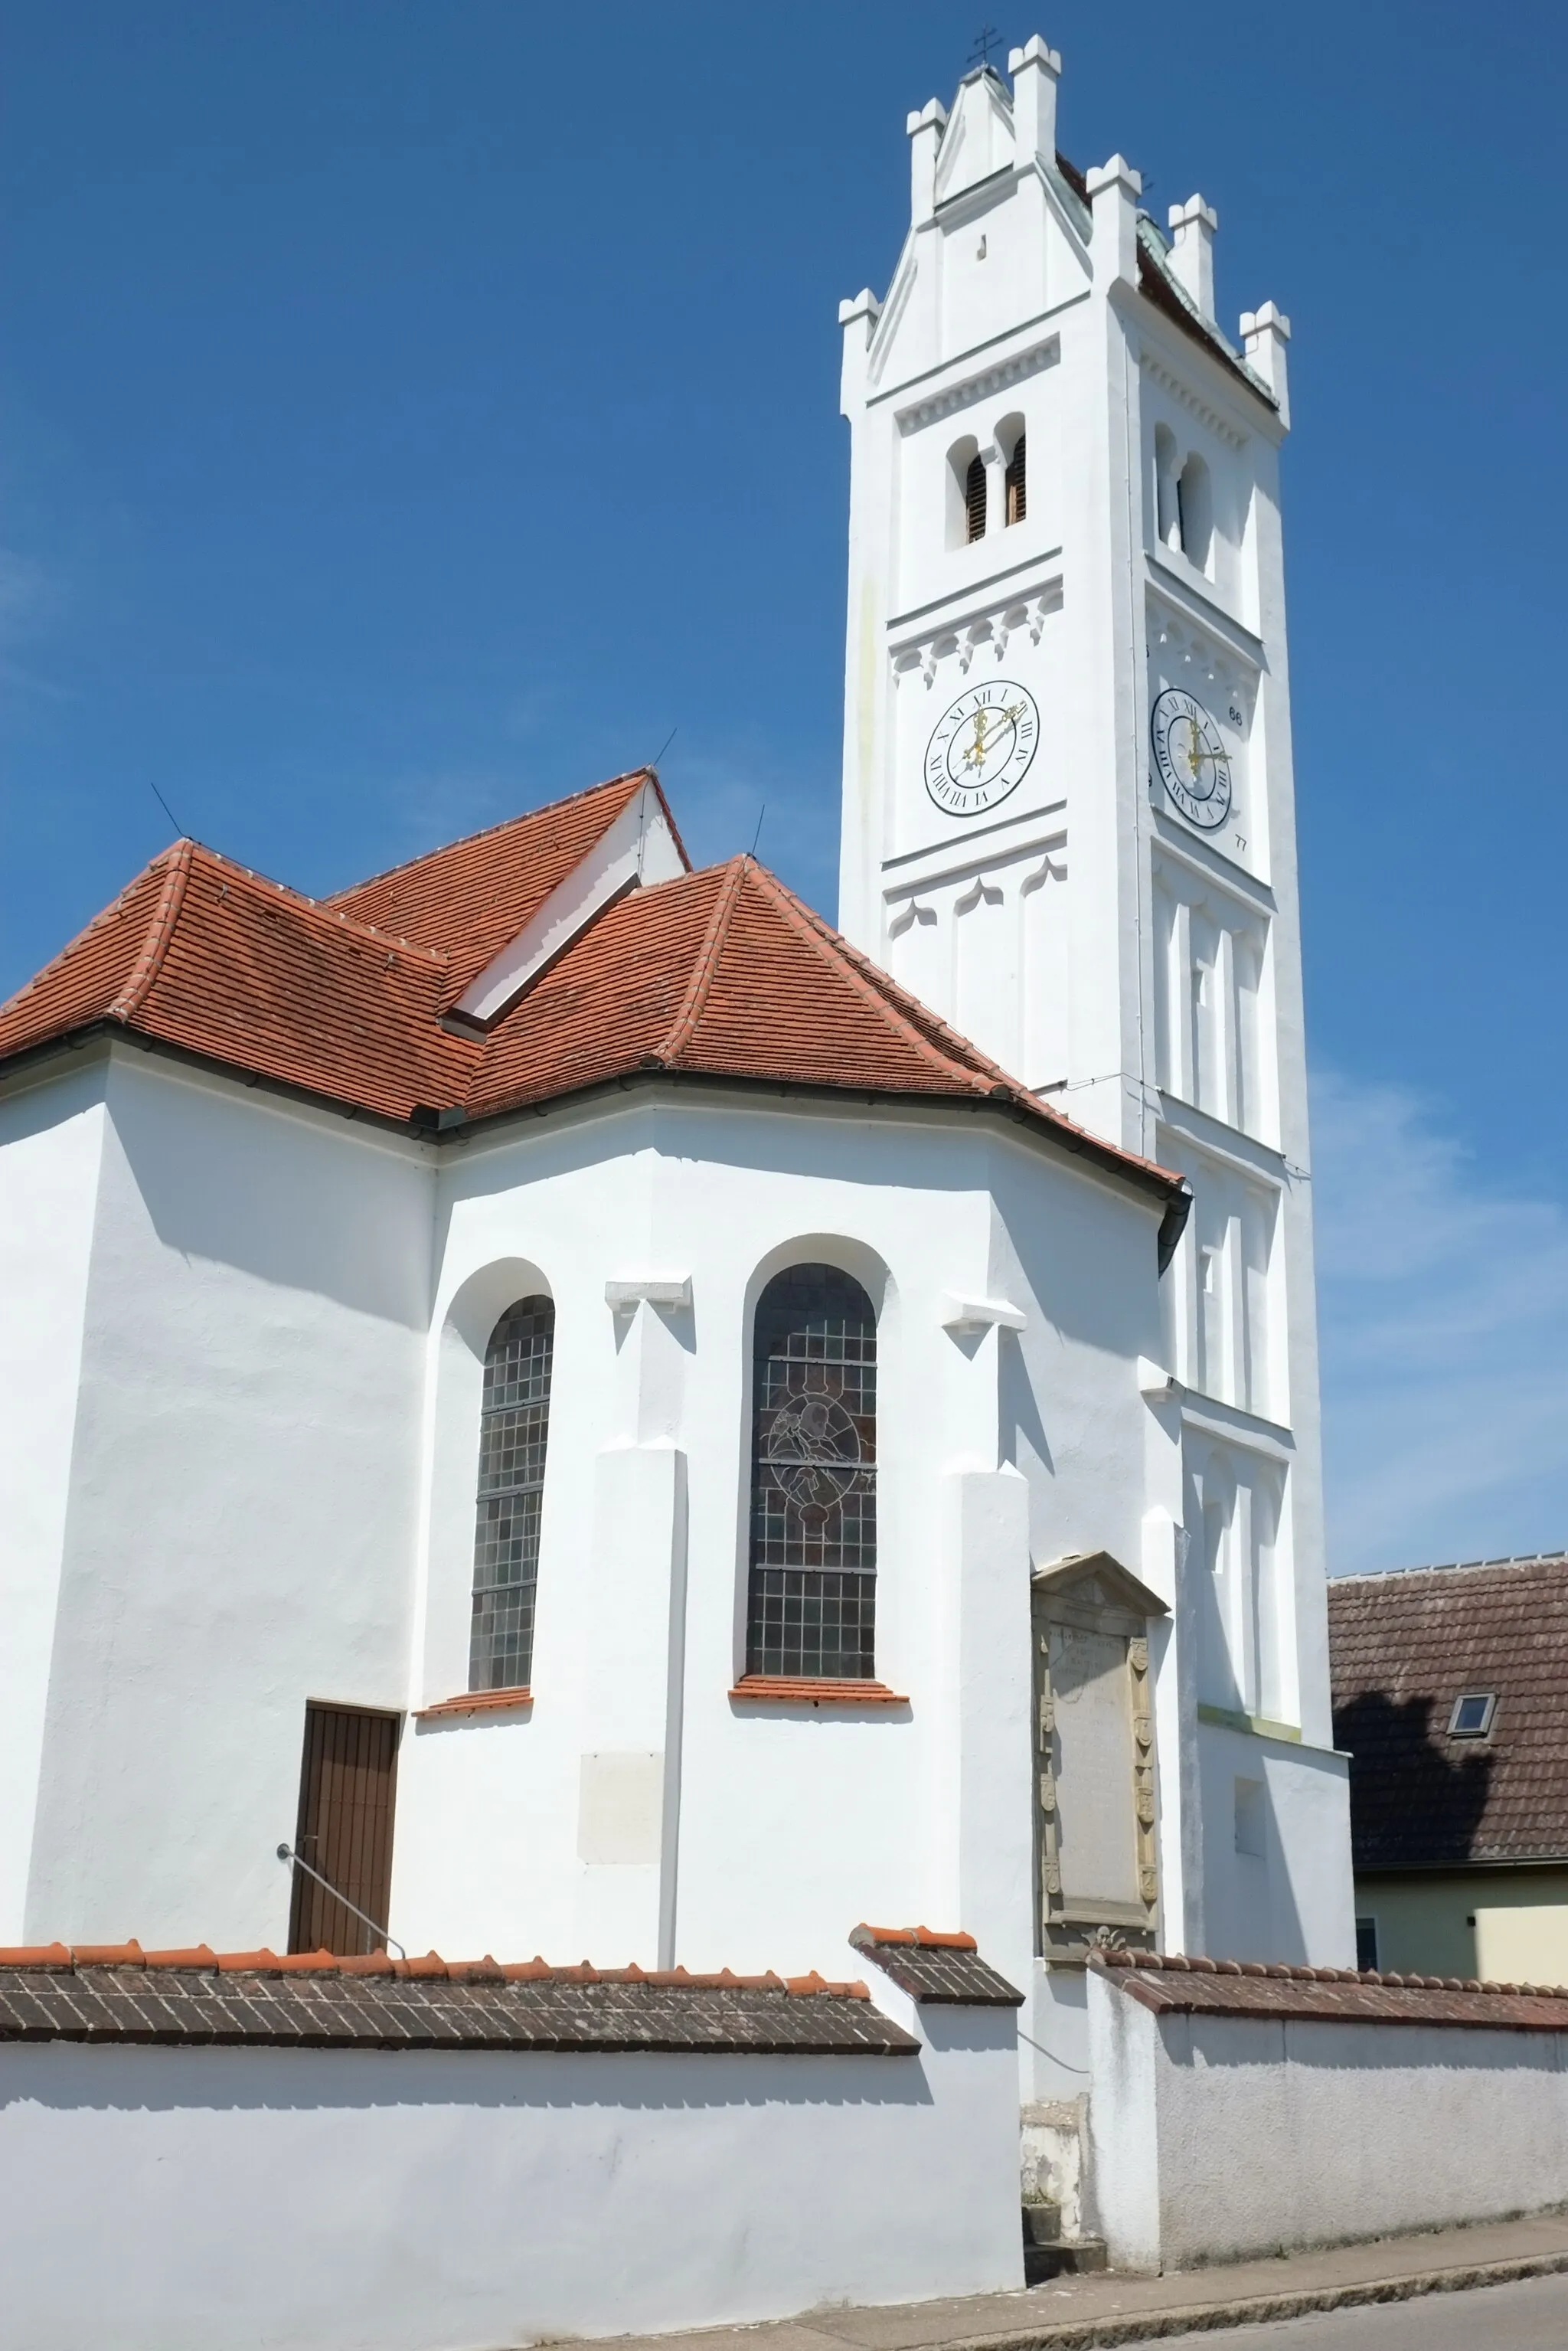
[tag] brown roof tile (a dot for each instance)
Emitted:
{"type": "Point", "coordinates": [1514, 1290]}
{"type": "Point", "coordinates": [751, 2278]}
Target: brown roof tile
{"type": "Point", "coordinates": [945, 1969]}
{"type": "Point", "coordinates": [310, 1999]}
{"type": "Point", "coordinates": [1166, 1982]}
{"type": "Point", "coordinates": [1403, 1648]}
{"type": "Point", "coordinates": [722, 974]}
{"type": "Point", "coordinates": [472, 897]}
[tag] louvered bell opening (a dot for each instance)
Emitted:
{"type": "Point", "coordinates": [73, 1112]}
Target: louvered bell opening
{"type": "Point", "coordinates": [1018, 494]}
{"type": "Point", "coordinates": [974, 497]}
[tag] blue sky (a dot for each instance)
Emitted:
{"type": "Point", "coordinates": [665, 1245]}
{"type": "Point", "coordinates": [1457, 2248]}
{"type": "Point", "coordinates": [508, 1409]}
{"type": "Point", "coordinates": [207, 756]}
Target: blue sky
{"type": "Point", "coordinates": [410, 413]}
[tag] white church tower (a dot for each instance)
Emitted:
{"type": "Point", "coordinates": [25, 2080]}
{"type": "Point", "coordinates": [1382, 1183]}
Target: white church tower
{"type": "Point", "coordinates": [1068, 809]}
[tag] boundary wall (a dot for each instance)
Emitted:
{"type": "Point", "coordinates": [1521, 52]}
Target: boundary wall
{"type": "Point", "coordinates": [421, 2158]}
{"type": "Point", "coordinates": [1242, 2109]}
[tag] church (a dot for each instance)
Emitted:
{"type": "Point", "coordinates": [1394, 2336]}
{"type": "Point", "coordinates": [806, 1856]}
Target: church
{"type": "Point", "coordinates": [557, 1402]}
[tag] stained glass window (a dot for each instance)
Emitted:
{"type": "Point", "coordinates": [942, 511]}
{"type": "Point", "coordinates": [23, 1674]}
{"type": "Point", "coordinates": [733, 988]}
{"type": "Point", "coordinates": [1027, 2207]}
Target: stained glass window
{"type": "Point", "coordinates": [812, 1610]}
{"type": "Point", "coordinates": [514, 1428]}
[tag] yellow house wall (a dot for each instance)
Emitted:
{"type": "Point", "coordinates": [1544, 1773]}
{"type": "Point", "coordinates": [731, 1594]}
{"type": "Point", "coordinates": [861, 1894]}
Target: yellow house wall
{"type": "Point", "coordinates": [1502, 1924]}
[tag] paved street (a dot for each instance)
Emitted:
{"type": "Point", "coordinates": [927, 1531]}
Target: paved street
{"type": "Point", "coordinates": [1530, 2316]}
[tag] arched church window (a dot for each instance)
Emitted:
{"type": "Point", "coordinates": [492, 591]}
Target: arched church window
{"type": "Point", "coordinates": [812, 1601]}
{"type": "Point", "coordinates": [974, 498]}
{"type": "Point", "coordinates": [1016, 481]}
{"type": "Point", "coordinates": [1167, 506]}
{"type": "Point", "coordinates": [1195, 502]}
{"type": "Point", "coordinates": [513, 1429]}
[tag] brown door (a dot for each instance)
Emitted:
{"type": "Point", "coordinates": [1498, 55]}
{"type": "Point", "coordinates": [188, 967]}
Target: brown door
{"type": "Point", "coordinates": [346, 1784]}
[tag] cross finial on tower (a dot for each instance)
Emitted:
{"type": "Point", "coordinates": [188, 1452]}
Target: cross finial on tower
{"type": "Point", "coordinates": [986, 40]}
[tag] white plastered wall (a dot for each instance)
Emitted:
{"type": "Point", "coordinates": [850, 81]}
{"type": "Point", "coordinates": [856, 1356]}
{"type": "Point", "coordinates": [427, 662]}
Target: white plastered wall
{"type": "Point", "coordinates": [51, 1142]}
{"type": "Point", "coordinates": [1214, 2137]}
{"type": "Point", "coordinates": [995, 1449]}
{"type": "Point", "coordinates": [240, 1531]}
{"type": "Point", "coordinates": [1064, 926]}
{"type": "Point", "coordinates": [418, 2200]}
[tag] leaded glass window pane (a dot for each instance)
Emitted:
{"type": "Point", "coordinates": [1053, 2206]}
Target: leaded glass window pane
{"type": "Point", "coordinates": [514, 1428]}
{"type": "Point", "coordinates": [812, 1608]}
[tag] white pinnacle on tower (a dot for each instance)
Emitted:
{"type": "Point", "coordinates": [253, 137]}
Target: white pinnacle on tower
{"type": "Point", "coordinates": [1069, 825]}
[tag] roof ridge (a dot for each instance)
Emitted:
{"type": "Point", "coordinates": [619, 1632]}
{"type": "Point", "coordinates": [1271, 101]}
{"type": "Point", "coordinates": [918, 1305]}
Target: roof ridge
{"type": "Point", "coordinates": [1451, 1567]}
{"type": "Point", "coordinates": [503, 824]}
{"type": "Point", "coordinates": [115, 907]}
{"type": "Point", "coordinates": [833, 945]}
{"type": "Point", "coordinates": [154, 945]}
{"type": "Point", "coordinates": [702, 970]}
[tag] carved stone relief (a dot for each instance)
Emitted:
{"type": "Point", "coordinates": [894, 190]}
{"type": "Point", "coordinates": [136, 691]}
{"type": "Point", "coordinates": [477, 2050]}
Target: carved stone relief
{"type": "Point", "coordinates": [1095, 1795]}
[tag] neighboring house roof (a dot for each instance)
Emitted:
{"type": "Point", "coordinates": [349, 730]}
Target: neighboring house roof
{"type": "Point", "coordinates": [1402, 1648]}
{"type": "Point", "coordinates": [722, 974]}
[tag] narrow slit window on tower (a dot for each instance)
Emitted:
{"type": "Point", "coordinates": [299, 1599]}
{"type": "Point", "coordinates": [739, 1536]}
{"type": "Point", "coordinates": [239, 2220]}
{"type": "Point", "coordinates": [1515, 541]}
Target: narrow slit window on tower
{"type": "Point", "coordinates": [974, 498]}
{"type": "Point", "coordinates": [1195, 509]}
{"type": "Point", "coordinates": [812, 1600]}
{"type": "Point", "coordinates": [1017, 481]}
{"type": "Point", "coordinates": [513, 1429]}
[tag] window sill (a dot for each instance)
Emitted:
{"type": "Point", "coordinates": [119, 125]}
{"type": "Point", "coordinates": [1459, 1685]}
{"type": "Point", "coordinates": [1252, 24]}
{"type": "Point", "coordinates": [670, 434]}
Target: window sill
{"type": "Point", "coordinates": [767, 1689]}
{"type": "Point", "coordinates": [500, 1701]}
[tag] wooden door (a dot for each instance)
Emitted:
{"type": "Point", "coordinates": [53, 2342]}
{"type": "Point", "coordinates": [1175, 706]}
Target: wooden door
{"type": "Point", "coordinates": [347, 1786]}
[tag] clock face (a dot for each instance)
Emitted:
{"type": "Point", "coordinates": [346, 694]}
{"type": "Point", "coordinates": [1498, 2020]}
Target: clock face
{"type": "Point", "coordinates": [1190, 759]}
{"type": "Point", "coordinates": [980, 750]}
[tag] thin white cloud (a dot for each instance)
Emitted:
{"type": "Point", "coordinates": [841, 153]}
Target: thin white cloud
{"type": "Point", "coordinates": [1443, 1318]}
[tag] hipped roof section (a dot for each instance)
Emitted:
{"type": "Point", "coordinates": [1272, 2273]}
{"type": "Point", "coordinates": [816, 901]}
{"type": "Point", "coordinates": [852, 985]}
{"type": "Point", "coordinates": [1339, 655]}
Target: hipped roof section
{"type": "Point", "coordinates": [723, 975]}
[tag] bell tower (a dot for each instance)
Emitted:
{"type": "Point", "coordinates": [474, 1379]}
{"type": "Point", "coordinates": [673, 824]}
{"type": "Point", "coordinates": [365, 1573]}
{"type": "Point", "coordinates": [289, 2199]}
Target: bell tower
{"type": "Point", "coordinates": [1069, 806]}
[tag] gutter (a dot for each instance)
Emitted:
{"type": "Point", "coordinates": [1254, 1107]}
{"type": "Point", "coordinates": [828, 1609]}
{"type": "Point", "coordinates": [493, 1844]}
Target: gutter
{"type": "Point", "coordinates": [427, 1123]}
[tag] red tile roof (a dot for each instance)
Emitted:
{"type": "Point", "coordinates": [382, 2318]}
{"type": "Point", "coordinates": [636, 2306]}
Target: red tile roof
{"type": "Point", "coordinates": [204, 956]}
{"type": "Point", "coordinates": [473, 897]}
{"type": "Point", "coordinates": [1402, 1649]}
{"type": "Point", "coordinates": [1166, 1980]}
{"type": "Point", "coordinates": [722, 974]}
{"type": "Point", "coordinates": [199, 1958]}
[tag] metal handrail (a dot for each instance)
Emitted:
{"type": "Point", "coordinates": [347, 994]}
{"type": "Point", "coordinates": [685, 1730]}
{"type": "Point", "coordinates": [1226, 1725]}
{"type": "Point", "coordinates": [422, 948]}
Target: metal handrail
{"type": "Point", "coordinates": [285, 1853]}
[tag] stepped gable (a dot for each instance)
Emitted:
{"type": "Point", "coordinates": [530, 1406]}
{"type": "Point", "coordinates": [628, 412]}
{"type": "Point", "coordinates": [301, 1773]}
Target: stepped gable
{"type": "Point", "coordinates": [1157, 282]}
{"type": "Point", "coordinates": [471, 898]}
{"type": "Point", "coordinates": [203, 955]}
{"type": "Point", "coordinates": [119, 1992]}
{"type": "Point", "coordinates": [1402, 1649]}
{"type": "Point", "coordinates": [1171, 298]}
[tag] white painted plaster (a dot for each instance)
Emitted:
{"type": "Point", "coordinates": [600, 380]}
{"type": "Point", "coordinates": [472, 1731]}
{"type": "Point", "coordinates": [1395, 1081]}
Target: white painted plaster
{"type": "Point", "coordinates": [782, 1827]}
{"type": "Point", "coordinates": [637, 850]}
{"type": "Point", "coordinates": [239, 1523]}
{"type": "Point", "coordinates": [1084, 932]}
{"type": "Point", "coordinates": [1214, 2137]}
{"type": "Point", "coordinates": [51, 1142]}
{"type": "Point", "coordinates": [423, 2201]}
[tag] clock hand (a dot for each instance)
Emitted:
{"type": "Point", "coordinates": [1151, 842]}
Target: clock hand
{"type": "Point", "coordinates": [978, 751]}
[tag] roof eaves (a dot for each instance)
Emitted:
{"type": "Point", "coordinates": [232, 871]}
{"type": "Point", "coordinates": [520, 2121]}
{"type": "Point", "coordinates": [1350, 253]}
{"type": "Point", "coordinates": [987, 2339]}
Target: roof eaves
{"type": "Point", "coordinates": [1003, 1087]}
{"type": "Point", "coordinates": [102, 1030]}
{"type": "Point", "coordinates": [1015, 1108]}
